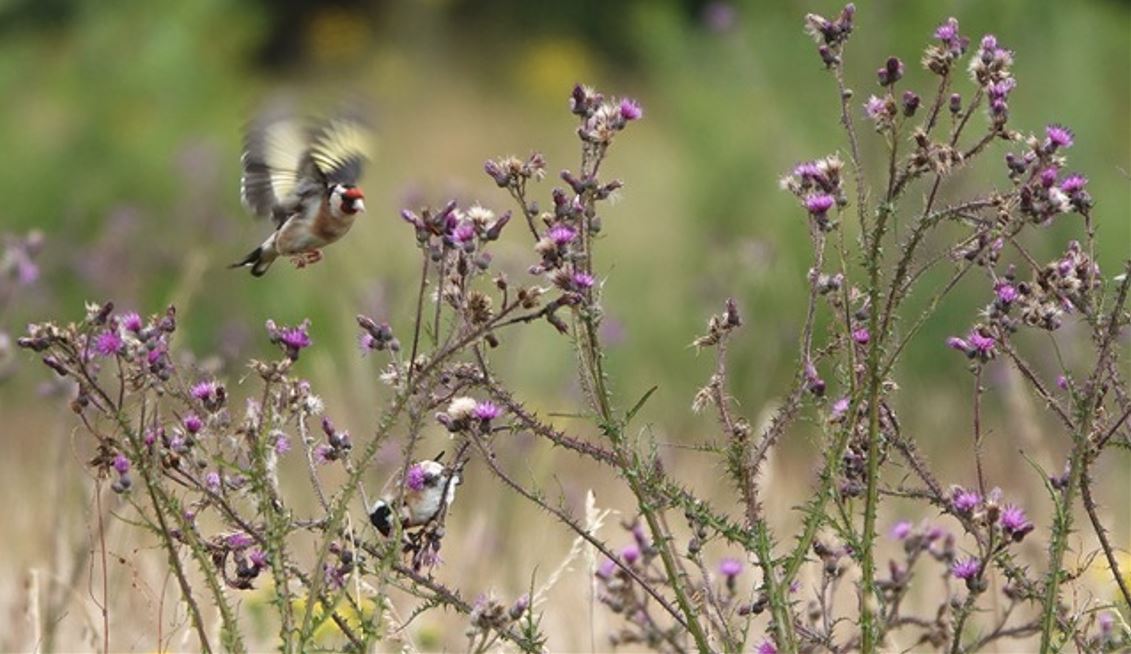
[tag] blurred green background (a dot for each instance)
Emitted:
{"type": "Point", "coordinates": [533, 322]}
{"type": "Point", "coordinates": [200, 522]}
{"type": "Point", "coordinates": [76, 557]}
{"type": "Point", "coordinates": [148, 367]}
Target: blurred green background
{"type": "Point", "coordinates": [121, 124]}
{"type": "Point", "coordinates": [120, 132]}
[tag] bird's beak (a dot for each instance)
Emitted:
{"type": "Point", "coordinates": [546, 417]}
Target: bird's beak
{"type": "Point", "coordinates": [359, 205]}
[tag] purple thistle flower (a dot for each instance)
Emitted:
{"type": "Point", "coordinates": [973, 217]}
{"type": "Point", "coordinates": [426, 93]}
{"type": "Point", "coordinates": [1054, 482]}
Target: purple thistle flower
{"type": "Point", "coordinates": [819, 204]}
{"type": "Point", "coordinates": [1048, 176]}
{"type": "Point", "coordinates": [965, 501]}
{"type": "Point", "coordinates": [322, 453]}
{"type": "Point", "coordinates": [414, 478]}
{"type": "Point", "coordinates": [239, 540]}
{"type": "Point", "coordinates": [1074, 183]}
{"type": "Point", "coordinates": [1014, 522]}
{"type": "Point", "coordinates": [948, 34]}
{"type": "Point", "coordinates": [464, 233]}
{"type": "Point", "coordinates": [901, 530]}
{"type": "Point", "coordinates": [1059, 136]}
{"type": "Point", "coordinates": [947, 31]}
{"type": "Point", "coordinates": [767, 647]}
{"type": "Point", "coordinates": [981, 343]}
{"type": "Point", "coordinates": [1006, 293]}
{"type": "Point", "coordinates": [839, 408]}
{"type": "Point", "coordinates": [1107, 624]}
{"type": "Point", "coordinates": [1000, 90]}
{"type": "Point", "coordinates": [193, 423]}
{"type": "Point", "coordinates": [562, 234]}
{"type": "Point", "coordinates": [366, 343]}
{"type": "Point", "coordinates": [630, 554]}
{"type": "Point", "coordinates": [956, 343]}
{"type": "Point", "coordinates": [258, 558]}
{"type": "Point", "coordinates": [807, 170]}
{"type": "Point", "coordinates": [205, 390]}
{"type": "Point", "coordinates": [861, 335]}
{"type": "Point", "coordinates": [295, 338]}
{"type": "Point", "coordinates": [212, 481]}
{"type": "Point", "coordinates": [638, 534]}
{"type": "Point", "coordinates": [1062, 382]}
{"type": "Point", "coordinates": [155, 354]}
{"type": "Point", "coordinates": [486, 411]}
{"type": "Point", "coordinates": [730, 568]}
{"type": "Point", "coordinates": [121, 463]}
{"type": "Point", "coordinates": [606, 569]}
{"type": "Point", "coordinates": [966, 568]}
{"type": "Point", "coordinates": [282, 444]}
{"type": "Point", "coordinates": [132, 322]}
{"type": "Point", "coordinates": [630, 110]}
{"type": "Point", "coordinates": [876, 109]}
{"type": "Point", "coordinates": [582, 280]}
{"type": "Point", "coordinates": [108, 343]}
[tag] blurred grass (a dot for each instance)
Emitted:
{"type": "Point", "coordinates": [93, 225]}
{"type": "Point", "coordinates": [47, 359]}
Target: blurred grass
{"type": "Point", "coordinates": [121, 131]}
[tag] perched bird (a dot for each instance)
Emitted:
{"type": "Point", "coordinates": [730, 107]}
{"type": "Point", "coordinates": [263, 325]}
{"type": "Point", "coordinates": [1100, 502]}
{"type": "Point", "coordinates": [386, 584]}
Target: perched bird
{"type": "Point", "coordinates": [303, 176]}
{"type": "Point", "coordinates": [424, 486]}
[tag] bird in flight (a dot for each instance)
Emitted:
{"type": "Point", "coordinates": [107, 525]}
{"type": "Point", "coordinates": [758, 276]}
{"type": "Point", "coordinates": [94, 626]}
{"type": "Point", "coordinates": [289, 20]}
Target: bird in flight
{"type": "Point", "coordinates": [303, 176]}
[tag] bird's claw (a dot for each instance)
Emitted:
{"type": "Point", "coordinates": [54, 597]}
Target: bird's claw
{"type": "Point", "coordinates": [307, 258]}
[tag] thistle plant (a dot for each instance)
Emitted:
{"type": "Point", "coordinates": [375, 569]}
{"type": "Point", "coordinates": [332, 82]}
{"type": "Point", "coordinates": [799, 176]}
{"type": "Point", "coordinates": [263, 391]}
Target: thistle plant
{"type": "Point", "coordinates": [199, 467]}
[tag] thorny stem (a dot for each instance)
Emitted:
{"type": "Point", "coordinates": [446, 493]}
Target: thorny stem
{"type": "Point", "coordinates": [105, 571]}
{"type": "Point", "coordinates": [416, 324]}
{"type": "Point", "coordinates": [846, 122]}
{"type": "Point", "coordinates": [978, 429]}
{"type": "Point", "coordinates": [868, 592]}
{"type": "Point", "coordinates": [1062, 524]}
{"type": "Point", "coordinates": [589, 350]}
{"type": "Point", "coordinates": [564, 518]}
{"type": "Point", "coordinates": [1101, 533]}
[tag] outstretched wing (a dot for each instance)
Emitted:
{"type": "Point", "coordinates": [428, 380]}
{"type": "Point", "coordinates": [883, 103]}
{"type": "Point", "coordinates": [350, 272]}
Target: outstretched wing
{"type": "Point", "coordinates": [286, 159]}
{"type": "Point", "coordinates": [276, 154]}
{"type": "Point", "coordinates": [340, 147]}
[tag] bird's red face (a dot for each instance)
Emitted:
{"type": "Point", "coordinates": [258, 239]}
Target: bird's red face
{"type": "Point", "coordinates": [352, 200]}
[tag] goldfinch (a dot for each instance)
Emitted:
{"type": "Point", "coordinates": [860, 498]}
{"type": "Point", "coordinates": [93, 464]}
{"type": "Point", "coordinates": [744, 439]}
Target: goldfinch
{"type": "Point", "coordinates": [426, 483]}
{"type": "Point", "coordinates": [303, 176]}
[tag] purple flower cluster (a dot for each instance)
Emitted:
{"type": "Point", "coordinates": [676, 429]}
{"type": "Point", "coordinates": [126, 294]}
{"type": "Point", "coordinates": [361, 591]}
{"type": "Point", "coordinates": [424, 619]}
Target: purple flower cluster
{"type": "Point", "coordinates": [108, 343]}
{"type": "Point", "coordinates": [979, 344]}
{"type": "Point", "coordinates": [882, 111]}
{"type": "Point", "coordinates": [1014, 523]}
{"type": "Point", "coordinates": [817, 184]}
{"type": "Point", "coordinates": [464, 413]}
{"type": "Point", "coordinates": [376, 336]}
{"type": "Point", "coordinates": [965, 502]}
{"type": "Point", "coordinates": [831, 35]}
{"type": "Point", "coordinates": [291, 340]}
{"type": "Point", "coordinates": [601, 119]}
{"type": "Point", "coordinates": [121, 465]}
{"type": "Point", "coordinates": [966, 569]}
{"type": "Point", "coordinates": [209, 393]}
{"type": "Point", "coordinates": [337, 445]}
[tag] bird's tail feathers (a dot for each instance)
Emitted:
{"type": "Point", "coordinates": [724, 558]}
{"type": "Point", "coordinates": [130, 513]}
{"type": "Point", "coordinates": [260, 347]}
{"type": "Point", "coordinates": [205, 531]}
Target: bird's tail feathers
{"type": "Point", "coordinates": [258, 259]}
